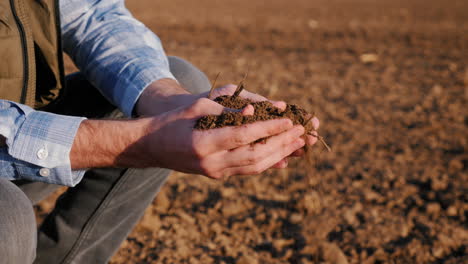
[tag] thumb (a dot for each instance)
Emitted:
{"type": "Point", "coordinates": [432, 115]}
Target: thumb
{"type": "Point", "coordinates": [204, 107]}
{"type": "Point", "coordinates": [248, 110]}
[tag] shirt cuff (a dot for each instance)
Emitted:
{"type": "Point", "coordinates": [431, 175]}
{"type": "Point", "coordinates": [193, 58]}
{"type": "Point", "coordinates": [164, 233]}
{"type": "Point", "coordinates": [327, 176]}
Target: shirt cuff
{"type": "Point", "coordinates": [14, 169]}
{"type": "Point", "coordinates": [59, 175]}
{"type": "Point", "coordinates": [138, 84]}
{"type": "Point", "coordinates": [43, 144]}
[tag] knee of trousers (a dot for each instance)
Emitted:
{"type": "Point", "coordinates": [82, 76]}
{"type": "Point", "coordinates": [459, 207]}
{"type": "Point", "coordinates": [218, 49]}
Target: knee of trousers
{"type": "Point", "coordinates": [18, 231]}
{"type": "Point", "coordinates": [189, 76]}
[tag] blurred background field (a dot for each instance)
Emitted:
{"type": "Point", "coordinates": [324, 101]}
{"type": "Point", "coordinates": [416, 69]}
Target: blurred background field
{"type": "Point", "coordinates": [389, 82]}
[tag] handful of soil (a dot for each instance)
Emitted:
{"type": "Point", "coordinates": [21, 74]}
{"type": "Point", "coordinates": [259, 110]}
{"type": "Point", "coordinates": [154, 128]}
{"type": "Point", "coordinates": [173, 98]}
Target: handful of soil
{"type": "Point", "coordinates": [263, 111]}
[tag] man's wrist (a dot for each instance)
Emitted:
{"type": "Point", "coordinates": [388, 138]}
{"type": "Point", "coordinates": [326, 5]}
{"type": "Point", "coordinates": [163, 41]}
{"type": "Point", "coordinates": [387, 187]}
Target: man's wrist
{"type": "Point", "coordinates": [161, 96]}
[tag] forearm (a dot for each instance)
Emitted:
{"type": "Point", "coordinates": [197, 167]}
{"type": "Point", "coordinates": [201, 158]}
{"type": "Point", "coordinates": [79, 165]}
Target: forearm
{"type": "Point", "coordinates": [109, 143]}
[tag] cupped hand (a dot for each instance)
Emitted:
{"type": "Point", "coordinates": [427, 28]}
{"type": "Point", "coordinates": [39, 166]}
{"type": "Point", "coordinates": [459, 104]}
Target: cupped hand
{"type": "Point", "coordinates": [231, 88]}
{"type": "Point", "coordinates": [172, 142]}
{"type": "Point", "coordinates": [166, 95]}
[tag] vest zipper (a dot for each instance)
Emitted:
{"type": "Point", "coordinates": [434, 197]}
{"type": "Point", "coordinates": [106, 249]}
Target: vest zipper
{"type": "Point", "coordinates": [58, 29]}
{"type": "Point", "coordinates": [25, 52]}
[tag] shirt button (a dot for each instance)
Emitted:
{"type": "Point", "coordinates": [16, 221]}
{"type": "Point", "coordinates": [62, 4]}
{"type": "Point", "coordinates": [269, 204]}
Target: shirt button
{"type": "Point", "coordinates": [42, 153]}
{"type": "Point", "coordinates": [44, 172]}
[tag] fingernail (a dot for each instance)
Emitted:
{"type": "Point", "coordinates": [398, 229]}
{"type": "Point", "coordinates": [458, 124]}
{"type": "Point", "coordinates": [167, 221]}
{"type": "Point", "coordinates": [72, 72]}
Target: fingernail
{"type": "Point", "coordinates": [284, 164]}
{"type": "Point", "coordinates": [299, 130]}
{"type": "Point", "coordinates": [280, 104]}
{"type": "Point", "coordinates": [315, 123]}
{"type": "Point", "coordinates": [299, 143]}
{"type": "Point", "coordinates": [288, 123]}
{"type": "Point", "coordinates": [248, 110]}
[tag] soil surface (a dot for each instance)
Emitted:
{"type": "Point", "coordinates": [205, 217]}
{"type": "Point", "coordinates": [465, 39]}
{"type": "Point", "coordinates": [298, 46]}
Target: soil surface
{"type": "Point", "coordinates": [388, 80]}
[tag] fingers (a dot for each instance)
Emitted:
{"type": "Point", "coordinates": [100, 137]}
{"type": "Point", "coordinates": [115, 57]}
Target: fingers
{"type": "Point", "coordinates": [268, 161]}
{"type": "Point", "coordinates": [261, 156]}
{"type": "Point", "coordinates": [283, 164]}
{"type": "Point", "coordinates": [252, 96]}
{"type": "Point", "coordinates": [298, 153]}
{"type": "Point", "coordinates": [230, 148]}
{"type": "Point", "coordinates": [315, 122]}
{"type": "Point", "coordinates": [255, 153]}
{"type": "Point", "coordinates": [226, 138]}
{"type": "Point", "coordinates": [279, 104]}
{"type": "Point", "coordinates": [258, 98]}
{"type": "Point", "coordinates": [248, 110]}
{"type": "Point", "coordinates": [312, 139]}
{"type": "Point", "coordinates": [202, 107]}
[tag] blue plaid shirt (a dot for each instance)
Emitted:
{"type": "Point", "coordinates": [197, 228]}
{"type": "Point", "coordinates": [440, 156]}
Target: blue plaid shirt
{"type": "Point", "coordinates": [117, 54]}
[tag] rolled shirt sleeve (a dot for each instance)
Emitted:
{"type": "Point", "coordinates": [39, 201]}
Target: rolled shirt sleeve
{"type": "Point", "coordinates": [118, 54]}
{"type": "Point", "coordinates": [38, 145]}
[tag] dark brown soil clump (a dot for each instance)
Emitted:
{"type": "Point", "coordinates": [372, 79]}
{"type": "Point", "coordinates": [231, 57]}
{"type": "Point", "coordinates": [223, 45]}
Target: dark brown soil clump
{"type": "Point", "coordinates": [263, 111]}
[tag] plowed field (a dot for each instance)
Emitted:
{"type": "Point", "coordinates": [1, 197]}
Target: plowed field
{"type": "Point", "coordinates": [389, 82]}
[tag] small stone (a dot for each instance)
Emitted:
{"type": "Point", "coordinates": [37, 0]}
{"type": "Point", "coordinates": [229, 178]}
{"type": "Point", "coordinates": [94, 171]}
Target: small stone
{"type": "Point", "coordinates": [433, 208]}
{"type": "Point", "coordinates": [452, 66]}
{"type": "Point", "coordinates": [288, 254]}
{"type": "Point", "coordinates": [310, 250]}
{"type": "Point", "coordinates": [228, 192]}
{"type": "Point", "coordinates": [313, 24]}
{"type": "Point", "coordinates": [331, 253]}
{"type": "Point", "coordinates": [369, 58]}
{"type": "Point", "coordinates": [296, 218]}
{"type": "Point", "coordinates": [281, 197]}
{"type": "Point", "coordinates": [455, 165]}
{"type": "Point", "coordinates": [280, 243]}
{"type": "Point", "coordinates": [231, 208]}
{"type": "Point", "coordinates": [350, 217]}
{"type": "Point", "coordinates": [404, 230]}
{"type": "Point", "coordinates": [437, 252]}
{"type": "Point", "coordinates": [371, 195]}
{"type": "Point", "coordinates": [437, 89]}
{"type": "Point", "coordinates": [439, 184]}
{"type": "Point", "coordinates": [150, 221]}
{"type": "Point", "coordinates": [211, 245]}
{"type": "Point", "coordinates": [311, 202]}
{"type": "Point", "coordinates": [217, 228]}
{"type": "Point", "coordinates": [261, 217]}
{"type": "Point", "coordinates": [187, 218]}
{"type": "Point", "coordinates": [452, 210]}
{"type": "Point", "coordinates": [162, 202]}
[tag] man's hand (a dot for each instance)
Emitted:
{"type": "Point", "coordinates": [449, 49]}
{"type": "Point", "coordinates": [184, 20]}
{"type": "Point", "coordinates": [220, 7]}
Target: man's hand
{"type": "Point", "coordinates": [230, 89]}
{"type": "Point", "coordinates": [166, 94]}
{"type": "Point", "coordinates": [169, 141]}
{"type": "Point", "coordinates": [217, 153]}
{"type": "Point", "coordinates": [162, 96]}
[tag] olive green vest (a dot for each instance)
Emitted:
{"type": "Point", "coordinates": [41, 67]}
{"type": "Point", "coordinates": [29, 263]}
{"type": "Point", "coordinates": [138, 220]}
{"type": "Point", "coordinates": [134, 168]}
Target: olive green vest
{"type": "Point", "coordinates": [31, 64]}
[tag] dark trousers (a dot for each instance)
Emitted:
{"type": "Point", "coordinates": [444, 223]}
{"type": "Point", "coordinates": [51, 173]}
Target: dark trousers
{"type": "Point", "coordinates": [89, 221]}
